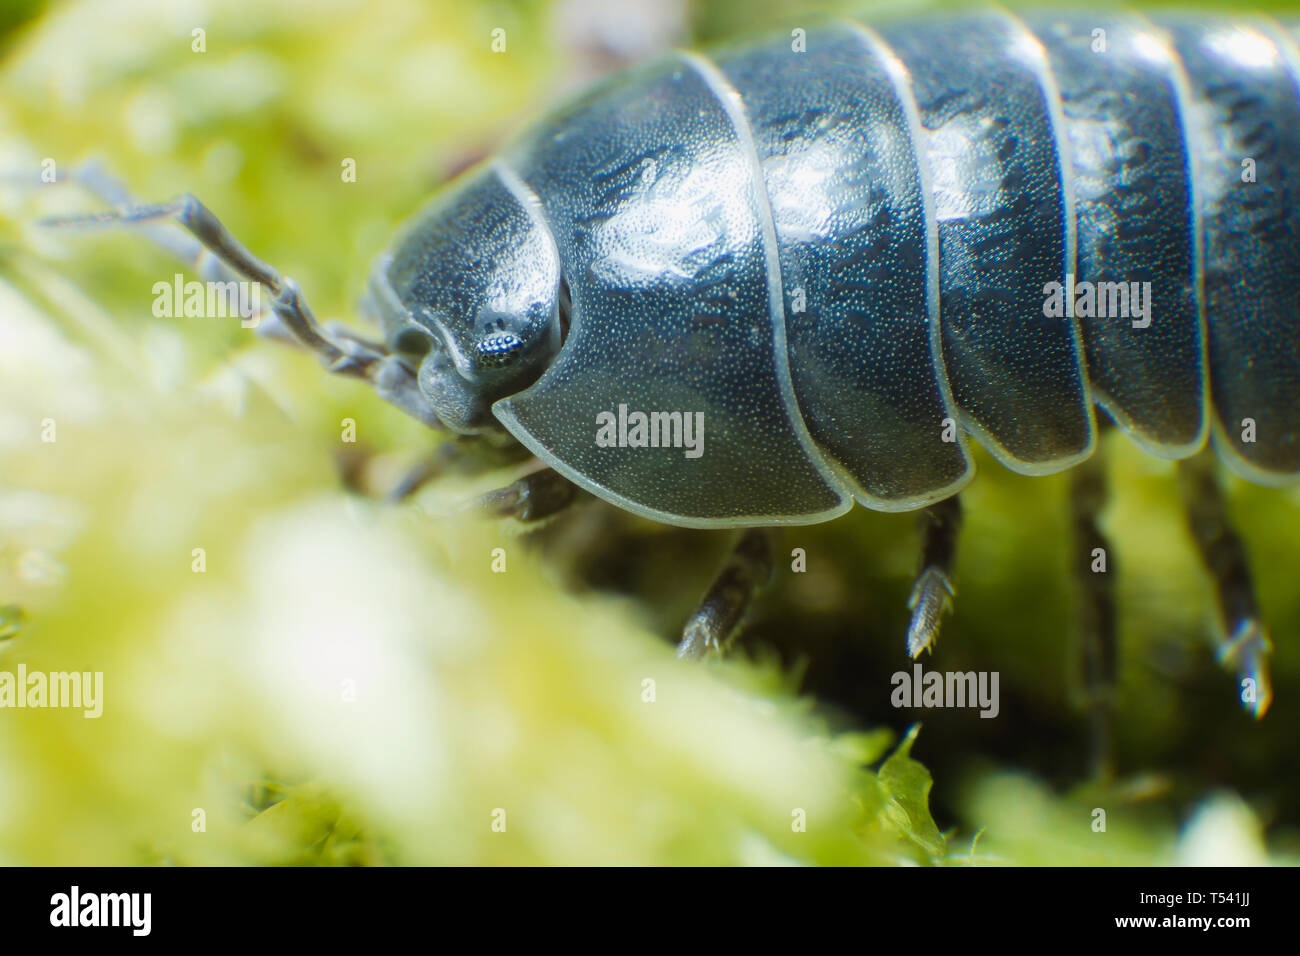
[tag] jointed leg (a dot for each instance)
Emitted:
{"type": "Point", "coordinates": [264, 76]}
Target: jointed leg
{"type": "Point", "coordinates": [533, 498]}
{"type": "Point", "coordinates": [1245, 647]}
{"type": "Point", "coordinates": [343, 354]}
{"type": "Point", "coordinates": [748, 568]}
{"type": "Point", "coordinates": [1093, 571]}
{"type": "Point", "coordinates": [462, 455]}
{"type": "Point", "coordinates": [932, 593]}
{"type": "Point", "coordinates": [182, 246]}
{"type": "Point", "coordinates": [459, 454]}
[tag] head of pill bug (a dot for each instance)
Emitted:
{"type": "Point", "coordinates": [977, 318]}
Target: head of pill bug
{"type": "Point", "coordinates": [471, 291]}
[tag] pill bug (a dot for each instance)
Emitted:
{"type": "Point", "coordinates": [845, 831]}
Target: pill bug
{"type": "Point", "coordinates": [753, 286]}
{"type": "Point", "coordinates": [832, 259]}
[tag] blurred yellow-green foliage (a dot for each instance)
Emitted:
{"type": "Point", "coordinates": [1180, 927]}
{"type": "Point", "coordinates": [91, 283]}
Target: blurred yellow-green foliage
{"type": "Point", "coordinates": [348, 681]}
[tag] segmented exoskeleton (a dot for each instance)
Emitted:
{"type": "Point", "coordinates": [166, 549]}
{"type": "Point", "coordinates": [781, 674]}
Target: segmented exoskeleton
{"type": "Point", "coordinates": [751, 286]}
{"type": "Point", "coordinates": [835, 248]}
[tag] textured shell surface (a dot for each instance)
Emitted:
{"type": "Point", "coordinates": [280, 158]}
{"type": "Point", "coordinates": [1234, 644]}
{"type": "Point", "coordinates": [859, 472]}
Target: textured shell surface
{"type": "Point", "coordinates": [830, 261]}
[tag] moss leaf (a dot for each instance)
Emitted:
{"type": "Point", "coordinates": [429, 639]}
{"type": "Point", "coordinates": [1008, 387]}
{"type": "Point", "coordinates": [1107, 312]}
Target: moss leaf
{"type": "Point", "coordinates": [907, 784]}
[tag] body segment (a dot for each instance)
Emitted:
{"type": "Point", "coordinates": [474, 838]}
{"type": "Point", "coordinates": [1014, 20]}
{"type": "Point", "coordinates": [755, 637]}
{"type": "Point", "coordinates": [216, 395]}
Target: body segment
{"type": "Point", "coordinates": [666, 236]}
{"type": "Point", "coordinates": [1138, 226]}
{"type": "Point", "coordinates": [1243, 122]}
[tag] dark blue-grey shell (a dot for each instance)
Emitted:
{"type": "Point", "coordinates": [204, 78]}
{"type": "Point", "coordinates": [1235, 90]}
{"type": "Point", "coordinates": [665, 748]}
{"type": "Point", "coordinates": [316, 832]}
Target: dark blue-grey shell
{"type": "Point", "coordinates": [800, 272]}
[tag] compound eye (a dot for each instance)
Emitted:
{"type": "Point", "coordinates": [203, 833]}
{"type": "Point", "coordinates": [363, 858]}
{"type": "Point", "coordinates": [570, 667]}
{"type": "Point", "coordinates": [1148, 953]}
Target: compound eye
{"type": "Point", "coordinates": [498, 349]}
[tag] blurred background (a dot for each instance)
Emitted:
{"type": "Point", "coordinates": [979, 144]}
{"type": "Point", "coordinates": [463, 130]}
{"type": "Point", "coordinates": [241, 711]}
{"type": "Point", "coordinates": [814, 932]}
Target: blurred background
{"type": "Point", "coordinates": [295, 672]}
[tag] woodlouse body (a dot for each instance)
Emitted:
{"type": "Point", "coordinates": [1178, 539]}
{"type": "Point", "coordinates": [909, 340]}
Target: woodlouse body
{"type": "Point", "coordinates": [837, 249]}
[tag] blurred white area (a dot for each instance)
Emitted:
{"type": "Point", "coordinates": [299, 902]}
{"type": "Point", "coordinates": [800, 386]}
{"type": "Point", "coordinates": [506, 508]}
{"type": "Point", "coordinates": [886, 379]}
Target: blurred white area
{"type": "Point", "coordinates": [1223, 832]}
{"type": "Point", "coordinates": [605, 36]}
